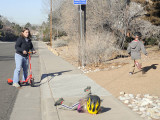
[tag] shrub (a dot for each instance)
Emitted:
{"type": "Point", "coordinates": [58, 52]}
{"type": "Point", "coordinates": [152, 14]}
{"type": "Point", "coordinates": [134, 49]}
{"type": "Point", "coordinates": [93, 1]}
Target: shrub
{"type": "Point", "coordinates": [46, 39]}
{"type": "Point", "coordinates": [99, 48]}
{"type": "Point", "coordinates": [151, 41]}
{"type": "Point", "coordinates": [60, 43]}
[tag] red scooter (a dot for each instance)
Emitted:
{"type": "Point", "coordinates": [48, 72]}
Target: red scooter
{"type": "Point", "coordinates": [29, 79]}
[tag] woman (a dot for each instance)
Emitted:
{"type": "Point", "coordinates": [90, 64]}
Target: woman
{"type": "Point", "coordinates": [23, 45]}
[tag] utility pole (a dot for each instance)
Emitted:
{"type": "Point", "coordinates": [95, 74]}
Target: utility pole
{"type": "Point", "coordinates": [51, 23]}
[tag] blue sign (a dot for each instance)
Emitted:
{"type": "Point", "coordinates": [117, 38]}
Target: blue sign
{"type": "Point", "coordinates": [80, 2]}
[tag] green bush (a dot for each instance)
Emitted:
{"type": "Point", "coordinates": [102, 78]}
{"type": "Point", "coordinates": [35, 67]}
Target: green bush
{"type": "Point", "coordinates": [46, 39]}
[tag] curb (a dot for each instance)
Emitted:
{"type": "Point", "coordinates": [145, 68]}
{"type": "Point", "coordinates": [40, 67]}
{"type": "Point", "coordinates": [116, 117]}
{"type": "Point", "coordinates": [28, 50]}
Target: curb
{"type": "Point", "coordinates": [53, 50]}
{"type": "Point", "coordinates": [49, 112]}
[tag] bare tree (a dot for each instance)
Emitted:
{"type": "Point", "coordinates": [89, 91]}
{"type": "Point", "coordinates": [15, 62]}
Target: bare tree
{"type": "Point", "coordinates": [108, 22]}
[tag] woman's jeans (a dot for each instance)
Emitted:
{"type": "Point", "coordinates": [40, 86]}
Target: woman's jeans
{"type": "Point", "coordinates": [21, 62]}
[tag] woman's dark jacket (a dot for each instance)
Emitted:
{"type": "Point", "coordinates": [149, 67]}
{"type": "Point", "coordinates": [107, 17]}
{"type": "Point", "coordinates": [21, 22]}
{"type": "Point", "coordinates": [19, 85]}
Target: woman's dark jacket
{"type": "Point", "coordinates": [22, 45]}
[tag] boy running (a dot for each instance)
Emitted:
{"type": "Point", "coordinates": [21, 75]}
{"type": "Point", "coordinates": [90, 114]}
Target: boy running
{"type": "Point", "coordinates": [133, 50]}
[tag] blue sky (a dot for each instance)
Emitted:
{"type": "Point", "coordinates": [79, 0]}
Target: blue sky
{"type": "Point", "coordinates": [23, 11]}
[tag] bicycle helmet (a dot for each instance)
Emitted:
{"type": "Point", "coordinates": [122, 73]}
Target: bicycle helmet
{"type": "Point", "coordinates": [93, 104]}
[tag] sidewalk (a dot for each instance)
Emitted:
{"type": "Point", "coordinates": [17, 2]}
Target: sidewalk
{"type": "Point", "coordinates": [27, 104]}
{"type": "Point", "coordinates": [61, 79]}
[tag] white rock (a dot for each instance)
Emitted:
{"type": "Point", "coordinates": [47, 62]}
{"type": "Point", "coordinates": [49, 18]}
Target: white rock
{"type": "Point", "coordinates": [138, 95]}
{"type": "Point", "coordinates": [122, 98]}
{"type": "Point", "coordinates": [150, 106]}
{"type": "Point", "coordinates": [142, 109]}
{"type": "Point", "coordinates": [143, 115]}
{"type": "Point", "coordinates": [156, 110]}
{"type": "Point", "coordinates": [131, 95]}
{"type": "Point", "coordinates": [158, 114]}
{"type": "Point", "coordinates": [155, 97]}
{"type": "Point", "coordinates": [148, 118]}
{"type": "Point", "coordinates": [139, 113]}
{"type": "Point", "coordinates": [135, 109]}
{"type": "Point", "coordinates": [144, 103]}
{"type": "Point", "coordinates": [126, 101]}
{"type": "Point", "coordinates": [122, 93]}
{"type": "Point", "coordinates": [127, 96]}
{"type": "Point", "coordinates": [133, 105]}
{"type": "Point", "coordinates": [146, 95]}
{"type": "Point", "coordinates": [130, 106]}
{"type": "Point", "coordinates": [155, 105]}
{"type": "Point", "coordinates": [148, 114]}
{"type": "Point", "coordinates": [112, 66]}
{"type": "Point", "coordinates": [156, 117]}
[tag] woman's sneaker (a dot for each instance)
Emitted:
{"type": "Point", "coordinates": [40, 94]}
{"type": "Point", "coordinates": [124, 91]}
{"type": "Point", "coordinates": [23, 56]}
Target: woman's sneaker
{"type": "Point", "coordinates": [16, 85]}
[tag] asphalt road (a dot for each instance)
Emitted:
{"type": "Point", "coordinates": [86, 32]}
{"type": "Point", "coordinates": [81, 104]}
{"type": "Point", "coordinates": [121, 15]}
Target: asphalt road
{"type": "Point", "coordinates": [8, 93]}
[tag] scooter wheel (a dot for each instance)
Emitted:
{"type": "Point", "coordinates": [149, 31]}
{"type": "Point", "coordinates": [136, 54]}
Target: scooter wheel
{"type": "Point", "coordinates": [10, 82]}
{"type": "Point", "coordinates": [32, 82]}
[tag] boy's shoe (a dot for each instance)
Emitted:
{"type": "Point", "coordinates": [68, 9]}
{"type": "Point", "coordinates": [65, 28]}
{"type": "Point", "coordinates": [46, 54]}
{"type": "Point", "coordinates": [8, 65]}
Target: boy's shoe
{"type": "Point", "coordinates": [87, 88]}
{"type": "Point", "coordinates": [16, 85]}
{"type": "Point", "coordinates": [59, 101]}
{"type": "Point", "coordinates": [143, 72]}
{"type": "Point", "coordinates": [130, 73]}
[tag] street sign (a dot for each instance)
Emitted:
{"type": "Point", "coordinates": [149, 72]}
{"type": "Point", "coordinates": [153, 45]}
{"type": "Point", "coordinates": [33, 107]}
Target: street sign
{"type": "Point", "coordinates": [80, 2]}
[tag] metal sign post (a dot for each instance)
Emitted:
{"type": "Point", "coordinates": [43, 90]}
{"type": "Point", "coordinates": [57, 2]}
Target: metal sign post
{"type": "Point", "coordinates": [81, 2]}
{"type": "Point", "coordinates": [81, 34]}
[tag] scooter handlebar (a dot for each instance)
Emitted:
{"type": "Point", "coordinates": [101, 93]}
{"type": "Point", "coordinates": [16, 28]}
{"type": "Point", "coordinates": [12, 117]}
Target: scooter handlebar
{"type": "Point", "coordinates": [31, 53]}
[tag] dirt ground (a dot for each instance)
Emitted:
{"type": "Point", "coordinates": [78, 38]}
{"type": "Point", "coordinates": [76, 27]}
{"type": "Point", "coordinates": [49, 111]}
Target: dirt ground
{"type": "Point", "coordinates": [117, 80]}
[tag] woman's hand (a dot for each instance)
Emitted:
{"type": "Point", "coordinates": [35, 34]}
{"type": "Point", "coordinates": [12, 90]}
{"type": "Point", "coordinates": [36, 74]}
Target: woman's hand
{"type": "Point", "coordinates": [33, 52]}
{"type": "Point", "coordinates": [24, 52]}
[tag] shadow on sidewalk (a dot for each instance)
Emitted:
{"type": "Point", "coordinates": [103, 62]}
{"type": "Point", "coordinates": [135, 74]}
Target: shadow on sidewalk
{"type": "Point", "coordinates": [147, 68]}
{"type": "Point", "coordinates": [117, 57]}
{"type": "Point", "coordinates": [6, 58]}
{"type": "Point", "coordinates": [52, 75]}
{"type": "Point", "coordinates": [38, 84]}
{"type": "Point", "coordinates": [103, 109]}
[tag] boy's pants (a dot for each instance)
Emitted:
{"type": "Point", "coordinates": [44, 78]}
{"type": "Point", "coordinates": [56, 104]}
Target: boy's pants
{"type": "Point", "coordinates": [132, 64]}
{"type": "Point", "coordinates": [73, 104]}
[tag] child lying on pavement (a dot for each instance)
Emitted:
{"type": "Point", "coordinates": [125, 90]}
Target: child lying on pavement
{"type": "Point", "coordinates": [89, 103]}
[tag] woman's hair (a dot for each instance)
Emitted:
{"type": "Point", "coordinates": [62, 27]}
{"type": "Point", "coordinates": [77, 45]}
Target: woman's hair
{"type": "Point", "coordinates": [24, 29]}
